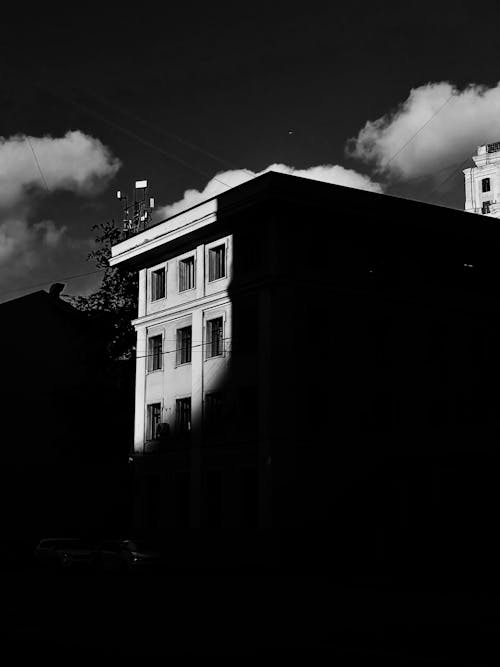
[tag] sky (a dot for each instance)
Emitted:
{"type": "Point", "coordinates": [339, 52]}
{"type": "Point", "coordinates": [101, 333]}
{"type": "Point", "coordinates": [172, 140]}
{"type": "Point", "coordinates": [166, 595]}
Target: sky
{"type": "Point", "coordinates": [390, 97]}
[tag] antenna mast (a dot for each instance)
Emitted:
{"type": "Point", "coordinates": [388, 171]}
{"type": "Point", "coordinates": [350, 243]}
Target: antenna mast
{"type": "Point", "coordinates": [136, 216]}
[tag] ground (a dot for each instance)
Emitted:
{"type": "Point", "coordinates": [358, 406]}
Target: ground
{"type": "Point", "coordinates": [91, 617]}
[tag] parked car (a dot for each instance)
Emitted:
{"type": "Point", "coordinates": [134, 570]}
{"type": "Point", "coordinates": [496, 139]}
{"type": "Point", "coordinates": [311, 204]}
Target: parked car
{"type": "Point", "coordinates": [125, 556]}
{"type": "Point", "coordinates": [64, 552]}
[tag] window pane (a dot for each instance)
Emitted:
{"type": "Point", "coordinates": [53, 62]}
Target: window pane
{"type": "Point", "coordinates": [154, 418]}
{"type": "Point", "coordinates": [186, 274]}
{"type": "Point", "coordinates": [158, 284]}
{"type": "Point", "coordinates": [183, 415]}
{"type": "Point", "coordinates": [155, 353]}
{"type": "Point", "coordinates": [155, 356]}
{"type": "Point", "coordinates": [215, 337]}
{"type": "Point", "coordinates": [217, 262]}
{"type": "Point", "coordinates": [183, 345]}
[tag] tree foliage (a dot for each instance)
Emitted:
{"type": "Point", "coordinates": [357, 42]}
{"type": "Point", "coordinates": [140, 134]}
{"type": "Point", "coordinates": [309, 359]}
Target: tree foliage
{"type": "Point", "coordinates": [114, 304]}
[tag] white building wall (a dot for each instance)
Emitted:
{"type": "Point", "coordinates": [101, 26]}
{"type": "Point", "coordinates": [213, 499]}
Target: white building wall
{"type": "Point", "coordinates": [163, 317]}
{"type": "Point", "coordinates": [487, 161]}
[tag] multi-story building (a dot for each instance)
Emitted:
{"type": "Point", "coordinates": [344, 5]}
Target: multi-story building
{"type": "Point", "coordinates": [482, 182]}
{"type": "Point", "coordinates": [318, 360]}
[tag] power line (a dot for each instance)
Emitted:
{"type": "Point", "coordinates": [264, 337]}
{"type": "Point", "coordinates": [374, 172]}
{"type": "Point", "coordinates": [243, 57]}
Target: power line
{"type": "Point", "coordinates": [71, 99]}
{"type": "Point", "coordinates": [417, 132]}
{"type": "Point", "coordinates": [162, 130]}
{"type": "Point", "coordinates": [37, 163]}
{"type": "Point", "coordinates": [48, 282]}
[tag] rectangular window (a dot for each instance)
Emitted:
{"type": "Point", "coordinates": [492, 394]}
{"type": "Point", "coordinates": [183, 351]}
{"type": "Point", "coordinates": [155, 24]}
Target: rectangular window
{"type": "Point", "coordinates": [183, 415]}
{"type": "Point", "coordinates": [217, 262]}
{"type": "Point", "coordinates": [158, 285]}
{"type": "Point", "coordinates": [215, 340]}
{"type": "Point", "coordinates": [183, 346]}
{"type": "Point", "coordinates": [154, 418]}
{"type": "Point", "coordinates": [155, 356]}
{"type": "Point", "coordinates": [213, 419]}
{"type": "Point", "coordinates": [486, 184]}
{"type": "Point", "coordinates": [486, 207]}
{"type": "Point", "coordinates": [186, 274]}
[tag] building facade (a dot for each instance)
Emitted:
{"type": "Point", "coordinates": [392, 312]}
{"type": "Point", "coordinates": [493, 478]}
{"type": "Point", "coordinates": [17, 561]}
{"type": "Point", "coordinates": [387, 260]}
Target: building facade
{"type": "Point", "coordinates": [339, 389]}
{"type": "Point", "coordinates": [482, 182]}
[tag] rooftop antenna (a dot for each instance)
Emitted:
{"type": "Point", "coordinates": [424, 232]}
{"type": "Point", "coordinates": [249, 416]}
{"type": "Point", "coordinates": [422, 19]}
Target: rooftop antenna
{"type": "Point", "coordinates": [136, 215]}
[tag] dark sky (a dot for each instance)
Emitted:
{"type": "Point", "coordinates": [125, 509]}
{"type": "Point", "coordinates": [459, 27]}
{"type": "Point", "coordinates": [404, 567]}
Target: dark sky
{"type": "Point", "coordinates": [231, 79]}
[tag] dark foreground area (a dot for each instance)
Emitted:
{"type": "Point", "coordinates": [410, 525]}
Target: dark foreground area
{"type": "Point", "coordinates": [85, 616]}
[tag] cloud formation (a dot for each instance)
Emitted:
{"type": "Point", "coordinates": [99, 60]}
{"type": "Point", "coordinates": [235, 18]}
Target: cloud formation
{"type": "Point", "coordinates": [442, 125]}
{"type": "Point", "coordinates": [327, 173]}
{"type": "Point", "coordinates": [75, 162]}
{"type": "Point", "coordinates": [23, 244]}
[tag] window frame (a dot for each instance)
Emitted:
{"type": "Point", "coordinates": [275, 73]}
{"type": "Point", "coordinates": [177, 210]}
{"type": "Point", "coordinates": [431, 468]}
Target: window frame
{"type": "Point", "coordinates": [211, 248]}
{"type": "Point", "coordinates": [191, 256]}
{"type": "Point", "coordinates": [213, 420]}
{"type": "Point", "coordinates": [149, 422]}
{"type": "Point", "coordinates": [208, 345]}
{"type": "Point", "coordinates": [150, 357]}
{"type": "Point", "coordinates": [153, 272]}
{"type": "Point", "coordinates": [178, 400]}
{"type": "Point", "coordinates": [483, 181]}
{"type": "Point", "coordinates": [178, 361]}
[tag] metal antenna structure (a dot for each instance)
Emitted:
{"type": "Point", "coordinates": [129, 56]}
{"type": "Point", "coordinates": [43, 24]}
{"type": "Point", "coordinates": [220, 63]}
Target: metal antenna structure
{"type": "Point", "coordinates": [136, 215]}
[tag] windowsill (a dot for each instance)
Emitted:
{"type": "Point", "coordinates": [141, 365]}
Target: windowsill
{"type": "Point", "coordinates": [185, 291]}
{"type": "Point", "coordinates": [162, 298]}
{"type": "Point", "coordinates": [216, 356]}
{"type": "Point", "coordinates": [216, 280]}
{"type": "Point", "coordinates": [186, 363]}
{"type": "Point", "coordinates": [156, 370]}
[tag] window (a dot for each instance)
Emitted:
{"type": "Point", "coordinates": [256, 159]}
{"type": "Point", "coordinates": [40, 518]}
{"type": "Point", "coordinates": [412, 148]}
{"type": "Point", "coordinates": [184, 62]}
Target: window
{"type": "Point", "coordinates": [213, 412]}
{"type": "Point", "coordinates": [154, 418]}
{"type": "Point", "coordinates": [186, 274]}
{"type": "Point", "coordinates": [486, 184]}
{"type": "Point", "coordinates": [183, 346]}
{"type": "Point", "coordinates": [486, 207]}
{"type": "Point", "coordinates": [158, 285]}
{"type": "Point", "coordinates": [155, 356]}
{"type": "Point", "coordinates": [183, 415]}
{"type": "Point", "coordinates": [215, 340]}
{"type": "Point", "coordinates": [217, 262]}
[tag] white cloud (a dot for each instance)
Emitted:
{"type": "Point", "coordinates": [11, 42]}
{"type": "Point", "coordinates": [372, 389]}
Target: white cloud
{"type": "Point", "coordinates": [327, 173]}
{"type": "Point", "coordinates": [75, 162]}
{"type": "Point", "coordinates": [470, 118]}
{"type": "Point", "coordinates": [22, 246]}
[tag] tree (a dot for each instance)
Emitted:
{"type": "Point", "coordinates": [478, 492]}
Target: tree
{"type": "Point", "coordinates": [114, 304]}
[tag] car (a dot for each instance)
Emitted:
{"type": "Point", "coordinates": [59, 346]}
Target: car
{"type": "Point", "coordinates": [64, 552]}
{"type": "Point", "coordinates": [124, 555]}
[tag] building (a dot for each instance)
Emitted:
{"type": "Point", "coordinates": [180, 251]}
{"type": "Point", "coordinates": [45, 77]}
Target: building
{"type": "Point", "coordinates": [482, 182]}
{"type": "Point", "coordinates": [64, 422]}
{"type": "Point", "coordinates": [319, 363]}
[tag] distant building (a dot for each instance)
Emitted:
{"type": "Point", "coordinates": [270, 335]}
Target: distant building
{"type": "Point", "coordinates": [482, 182]}
{"type": "Point", "coordinates": [64, 464]}
{"type": "Point", "coordinates": [318, 362]}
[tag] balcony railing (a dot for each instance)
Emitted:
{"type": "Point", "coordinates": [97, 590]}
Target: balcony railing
{"type": "Point", "coordinates": [134, 228]}
{"type": "Point", "coordinates": [493, 148]}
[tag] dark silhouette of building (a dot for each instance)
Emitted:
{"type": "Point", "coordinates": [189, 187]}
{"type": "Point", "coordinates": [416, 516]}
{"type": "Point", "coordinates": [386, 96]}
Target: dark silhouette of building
{"type": "Point", "coordinates": [318, 364]}
{"type": "Point", "coordinates": [66, 419]}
